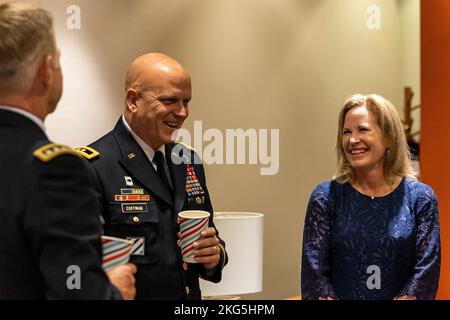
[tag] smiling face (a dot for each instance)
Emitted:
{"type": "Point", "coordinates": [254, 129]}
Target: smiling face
{"type": "Point", "coordinates": [362, 140]}
{"type": "Point", "coordinates": [157, 104]}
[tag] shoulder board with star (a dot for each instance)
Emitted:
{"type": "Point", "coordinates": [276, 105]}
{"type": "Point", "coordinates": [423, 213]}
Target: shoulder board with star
{"type": "Point", "coordinates": [87, 152]}
{"type": "Point", "coordinates": [53, 150]}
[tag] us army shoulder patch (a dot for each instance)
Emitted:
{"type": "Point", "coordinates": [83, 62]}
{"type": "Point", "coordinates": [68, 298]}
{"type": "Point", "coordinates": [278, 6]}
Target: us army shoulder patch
{"type": "Point", "coordinates": [138, 248]}
{"type": "Point", "coordinates": [52, 150]}
{"type": "Point", "coordinates": [87, 152]}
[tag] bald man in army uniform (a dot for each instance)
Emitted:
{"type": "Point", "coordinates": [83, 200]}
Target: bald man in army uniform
{"type": "Point", "coordinates": [146, 179]}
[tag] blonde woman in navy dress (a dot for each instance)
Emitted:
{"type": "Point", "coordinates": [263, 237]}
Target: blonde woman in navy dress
{"type": "Point", "coordinates": [373, 231]}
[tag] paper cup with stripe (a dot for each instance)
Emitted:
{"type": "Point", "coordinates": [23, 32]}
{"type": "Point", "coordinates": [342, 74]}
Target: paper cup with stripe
{"type": "Point", "coordinates": [192, 223]}
{"type": "Point", "coordinates": [116, 251]}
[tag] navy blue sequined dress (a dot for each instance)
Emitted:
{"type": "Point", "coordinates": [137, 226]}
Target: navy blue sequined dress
{"type": "Point", "coordinates": [356, 247]}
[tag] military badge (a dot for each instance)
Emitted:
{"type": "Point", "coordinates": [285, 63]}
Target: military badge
{"type": "Point", "coordinates": [132, 197]}
{"type": "Point", "coordinates": [138, 247]}
{"type": "Point", "coordinates": [132, 191]}
{"type": "Point", "coordinates": [193, 187]}
{"type": "Point", "coordinates": [87, 152]}
{"type": "Point", "coordinates": [52, 150]}
{"type": "Point", "coordinates": [128, 181]}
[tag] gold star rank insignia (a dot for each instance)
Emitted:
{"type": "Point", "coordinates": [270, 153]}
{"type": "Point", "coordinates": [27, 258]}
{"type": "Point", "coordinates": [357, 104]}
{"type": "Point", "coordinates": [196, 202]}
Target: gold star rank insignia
{"type": "Point", "coordinates": [52, 150]}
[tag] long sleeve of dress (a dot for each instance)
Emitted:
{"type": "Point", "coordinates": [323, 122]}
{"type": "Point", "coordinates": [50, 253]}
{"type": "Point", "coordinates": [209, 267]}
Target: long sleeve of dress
{"type": "Point", "coordinates": [316, 271]}
{"type": "Point", "coordinates": [423, 283]}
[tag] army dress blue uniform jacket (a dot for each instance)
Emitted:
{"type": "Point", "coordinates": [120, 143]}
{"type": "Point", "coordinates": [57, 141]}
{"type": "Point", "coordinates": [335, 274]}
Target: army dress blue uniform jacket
{"type": "Point", "coordinates": [49, 221]}
{"type": "Point", "coordinates": [137, 206]}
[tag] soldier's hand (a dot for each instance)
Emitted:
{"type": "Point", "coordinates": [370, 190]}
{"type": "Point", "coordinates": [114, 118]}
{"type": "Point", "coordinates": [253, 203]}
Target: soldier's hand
{"type": "Point", "coordinates": [207, 249]}
{"type": "Point", "coordinates": [122, 277]}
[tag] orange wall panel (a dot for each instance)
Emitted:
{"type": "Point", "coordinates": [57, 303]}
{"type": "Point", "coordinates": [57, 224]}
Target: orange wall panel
{"type": "Point", "coordinates": [435, 118]}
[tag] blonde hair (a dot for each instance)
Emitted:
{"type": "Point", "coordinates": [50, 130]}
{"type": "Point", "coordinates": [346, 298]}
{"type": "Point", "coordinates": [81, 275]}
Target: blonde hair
{"type": "Point", "coordinates": [397, 158]}
{"type": "Point", "coordinates": [26, 35]}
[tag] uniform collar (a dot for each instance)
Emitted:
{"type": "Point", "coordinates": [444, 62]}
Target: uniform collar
{"type": "Point", "coordinates": [26, 114]}
{"type": "Point", "coordinates": [136, 161]}
{"type": "Point", "coordinates": [149, 152]}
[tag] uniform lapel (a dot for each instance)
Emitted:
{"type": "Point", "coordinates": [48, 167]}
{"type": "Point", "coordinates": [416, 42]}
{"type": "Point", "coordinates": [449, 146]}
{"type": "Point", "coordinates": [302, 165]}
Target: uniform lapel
{"type": "Point", "coordinates": [137, 164]}
{"type": "Point", "coordinates": [178, 173]}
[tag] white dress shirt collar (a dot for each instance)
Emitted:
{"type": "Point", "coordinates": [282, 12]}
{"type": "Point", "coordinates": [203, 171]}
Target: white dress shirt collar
{"type": "Point", "coordinates": [149, 152]}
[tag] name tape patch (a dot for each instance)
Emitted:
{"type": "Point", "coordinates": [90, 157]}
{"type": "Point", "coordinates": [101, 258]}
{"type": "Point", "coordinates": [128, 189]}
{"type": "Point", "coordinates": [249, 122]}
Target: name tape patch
{"type": "Point", "coordinates": [134, 207]}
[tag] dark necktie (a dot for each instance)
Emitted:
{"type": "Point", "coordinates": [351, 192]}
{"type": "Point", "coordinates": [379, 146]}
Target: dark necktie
{"type": "Point", "coordinates": [161, 170]}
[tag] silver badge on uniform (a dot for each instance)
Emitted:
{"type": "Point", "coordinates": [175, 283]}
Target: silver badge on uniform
{"type": "Point", "coordinates": [128, 181]}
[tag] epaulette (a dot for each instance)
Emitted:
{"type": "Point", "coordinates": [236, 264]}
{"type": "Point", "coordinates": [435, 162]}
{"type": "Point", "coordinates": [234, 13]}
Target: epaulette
{"type": "Point", "coordinates": [52, 150]}
{"type": "Point", "coordinates": [87, 152]}
{"type": "Point", "coordinates": [187, 146]}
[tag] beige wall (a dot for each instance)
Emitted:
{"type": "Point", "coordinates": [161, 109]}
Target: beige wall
{"type": "Point", "coordinates": [282, 64]}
